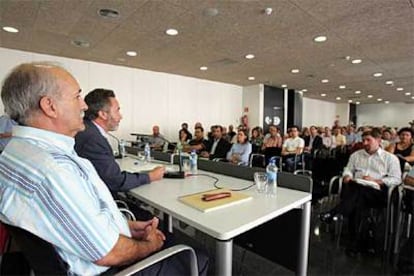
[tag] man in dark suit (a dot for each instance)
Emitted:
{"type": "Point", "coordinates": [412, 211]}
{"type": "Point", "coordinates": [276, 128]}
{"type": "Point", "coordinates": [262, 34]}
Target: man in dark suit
{"type": "Point", "coordinates": [217, 146]}
{"type": "Point", "coordinates": [312, 142]}
{"type": "Point", "coordinates": [103, 115]}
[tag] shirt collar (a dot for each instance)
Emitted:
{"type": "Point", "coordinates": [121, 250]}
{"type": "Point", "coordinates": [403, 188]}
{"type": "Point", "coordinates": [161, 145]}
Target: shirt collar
{"type": "Point", "coordinates": [63, 142]}
{"type": "Point", "coordinates": [378, 152]}
{"type": "Point", "coordinates": [101, 130]}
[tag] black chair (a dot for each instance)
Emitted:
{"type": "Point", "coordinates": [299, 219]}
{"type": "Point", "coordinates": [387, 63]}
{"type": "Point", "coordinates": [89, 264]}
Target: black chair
{"type": "Point", "coordinates": [44, 260]}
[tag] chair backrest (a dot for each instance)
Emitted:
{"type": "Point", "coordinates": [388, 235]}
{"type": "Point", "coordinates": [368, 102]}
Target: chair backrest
{"type": "Point", "coordinates": [41, 255]}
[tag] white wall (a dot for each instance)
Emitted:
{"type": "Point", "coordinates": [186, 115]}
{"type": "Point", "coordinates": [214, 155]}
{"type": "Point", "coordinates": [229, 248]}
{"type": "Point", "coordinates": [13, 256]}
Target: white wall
{"type": "Point", "coordinates": [147, 97]}
{"type": "Point", "coordinates": [393, 114]}
{"type": "Point", "coordinates": [323, 113]}
{"type": "Point", "coordinates": [253, 97]}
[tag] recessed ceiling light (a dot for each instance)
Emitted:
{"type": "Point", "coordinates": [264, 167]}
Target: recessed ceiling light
{"type": "Point", "coordinates": [412, 97]}
{"type": "Point", "coordinates": [251, 78]}
{"type": "Point", "coordinates": [320, 38]}
{"type": "Point", "coordinates": [108, 13]}
{"type": "Point", "coordinates": [349, 101]}
{"type": "Point", "coordinates": [324, 81]}
{"type": "Point", "coordinates": [389, 82]}
{"type": "Point", "coordinates": [357, 102]}
{"type": "Point", "coordinates": [203, 68]}
{"type": "Point", "coordinates": [377, 75]}
{"type": "Point", "coordinates": [284, 85]}
{"type": "Point", "coordinates": [131, 53]}
{"type": "Point", "coordinates": [338, 98]}
{"type": "Point", "coordinates": [400, 89]}
{"type": "Point", "coordinates": [370, 96]}
{"type": "Point", "coordinates": [268, 11]}
{"type": "Point", "coordinates": [356, 61]}
{"type": "Point", "coordinates": [10, 29]}
{"type": "Point", "coordinates": [323, 95]}
{"type": "Point", "coordinates": [358, 92]}
{"type": "Point", "coordinates": [387, 102]}
{"type": "Point", "coordinates": [304, 90]}
{"type": "Point", "coordinates": [171, 32]}
{"type": "Point", "coordinates": [294, 71]}
{"type": "Point", "coordinates": [407, 93]}
{"type": "Point", "coordinates": [379, 99]}
{"type": "Point", "coordinates": [342, 86]}
{"type": "Point", "coordinates": [249, 56]}
{"type": "Point", "coordinates": [210, 11]}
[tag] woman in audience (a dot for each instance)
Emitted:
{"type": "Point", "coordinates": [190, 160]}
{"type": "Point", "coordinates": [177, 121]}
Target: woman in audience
{"type": "Point", "coordinates": [184, 136]}
{"type": "Point", "coordinates": [256, 139]}
{"type": "Point", "coordinates": [305, 133]}
{"type": "Point", "coordinates": [272, 143]}
{"type": "Point", "coordinates": [404, 149]}
{"type": "Point", "coordinates": [240, 151]}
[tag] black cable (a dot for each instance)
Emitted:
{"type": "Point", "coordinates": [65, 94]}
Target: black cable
{"type": "Point", "coordinates": [216, 180]}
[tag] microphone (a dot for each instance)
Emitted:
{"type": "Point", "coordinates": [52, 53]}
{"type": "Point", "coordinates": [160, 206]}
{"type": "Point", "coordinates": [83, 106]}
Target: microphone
{"type": "Point", "coordinates": [119, 155]}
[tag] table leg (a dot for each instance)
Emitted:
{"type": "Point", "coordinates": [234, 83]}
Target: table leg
{"type": "Point", "coordinates": [304, 240]}
{"type": "Point", "coordinates": [224, 257]}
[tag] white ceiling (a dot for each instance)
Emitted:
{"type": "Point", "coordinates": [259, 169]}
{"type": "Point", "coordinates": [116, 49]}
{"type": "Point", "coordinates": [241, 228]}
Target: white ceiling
{"type": "Point", "coordinates": [380, 32]}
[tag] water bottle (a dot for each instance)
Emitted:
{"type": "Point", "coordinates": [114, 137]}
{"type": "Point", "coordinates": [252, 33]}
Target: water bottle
{"type": "Point", "coordinates": [122, 148]}
{"type": "Point", "coordinates": [147, 153]}
{"type": "Point", "coordinates": [193, 162]}
{"type": "Point", "coordinates": [271, 171]}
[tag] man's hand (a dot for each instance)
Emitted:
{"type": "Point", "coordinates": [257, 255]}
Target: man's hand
{"type": "Point", "coordinates": [156, 174]}
{"type": "Point", "coordinates": [137, 228]}
{"type": "Point", "coordinates": [370, 178]}
{"type": "Point", "coordinates": [205, 154]}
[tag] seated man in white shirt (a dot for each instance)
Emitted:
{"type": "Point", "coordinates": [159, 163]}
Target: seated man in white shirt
{"type": "Point", "coordinates": [292, 148]}
{"type": "Point", "coordinates": [370, 165]}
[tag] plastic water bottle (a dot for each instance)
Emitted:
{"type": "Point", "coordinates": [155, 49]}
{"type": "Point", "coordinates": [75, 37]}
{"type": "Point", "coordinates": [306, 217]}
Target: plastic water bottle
{"type": "Point", "coordinates": [122, 144]}
{"type": "Point", "coordinates": [271, 171]}
{"type": "Point", "coordinates": [193, 162]}
{"type": "Point", "coordinates": [147, 153]}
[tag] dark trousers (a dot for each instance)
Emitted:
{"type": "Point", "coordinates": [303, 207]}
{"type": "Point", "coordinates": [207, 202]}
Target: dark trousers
{"type": "Point", "coordinates": [355, 199]}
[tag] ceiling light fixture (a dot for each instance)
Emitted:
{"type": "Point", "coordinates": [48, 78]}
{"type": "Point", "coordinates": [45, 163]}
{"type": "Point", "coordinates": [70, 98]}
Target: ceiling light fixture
{"type": "Point", "coordinates": [379, 99]}
{"type": "Point", "coordinates": [304, 90]}
{"type": "Point", "coordinates": [323, 95]}
{"type": "Point", "coordinates": [349, 101]}
{"type": "Point", "coordinates": [10, 29]}
{"type": "Point", "coordinates": [377, 75]}
{"type": "Point", "coordinates": [400, 89]}
{"type": "Point", "coordinates": [294, 71]}
{"type": "Point", "coordinates": [342, 86]}
{"type": "Point", "coordinates": [324, 81]}
{"type": "Point", "coordinates": [370, 96]}
{"type": "Point", "coordinates": [131, 53]}
{"type": "Point", "coordinates": [203, 68]}
{"type": "Point", "coordinates": [249, 56]}
{"type": "Point", "coordinates": [357, 102]}
{"type": "Point", "coordinates": [412, 97]}
{"type": "Point", "coordinates": [268, 11]}
{"type": "Point", "coordinates": [284, 85]}
{"type": "Point", "coordinates": [320, 38]}
{"type": "Point", "coordinates": [338, 98]}
{"type": "Point", "coordinates": [389, 82]}
{"type": "Point", "coordinates": [356, 61]}
{"type": "Point", "coordinates": [407, 93]}
{"type": "Point", "coordinates": [171, 32]}
{"type": "Point", "coordinates": [357, 92]}
{"type": "Point", "coordinates": [387, 102]}
{"type": "Point", "coordinates": [251, 78]}
{"type": "Point", "coordinates": [210, 11]}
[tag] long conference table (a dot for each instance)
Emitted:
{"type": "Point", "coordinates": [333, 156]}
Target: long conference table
{"type": "Point", "coordinates": [226, 223]}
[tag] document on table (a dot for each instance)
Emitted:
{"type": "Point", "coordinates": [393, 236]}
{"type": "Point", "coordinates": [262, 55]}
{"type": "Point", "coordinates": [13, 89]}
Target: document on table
{"type": "Point", "coordinates": [368, 183]}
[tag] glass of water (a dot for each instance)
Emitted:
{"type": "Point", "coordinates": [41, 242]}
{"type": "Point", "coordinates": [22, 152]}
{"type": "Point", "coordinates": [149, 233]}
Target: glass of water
{"type": "Point", "coordinates": [260, 179]}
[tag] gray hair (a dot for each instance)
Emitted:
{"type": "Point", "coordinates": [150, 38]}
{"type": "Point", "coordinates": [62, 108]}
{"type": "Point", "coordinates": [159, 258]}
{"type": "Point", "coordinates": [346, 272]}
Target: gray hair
{"type": "Point", "coordinates": [24, 87]}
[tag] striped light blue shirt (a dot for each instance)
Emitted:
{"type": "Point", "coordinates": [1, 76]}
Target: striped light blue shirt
{"type": "Point", "coordinates": [47, 189]}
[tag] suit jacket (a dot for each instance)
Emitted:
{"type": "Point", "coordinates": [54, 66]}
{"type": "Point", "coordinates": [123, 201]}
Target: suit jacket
{"type": "Point", "coordinates": [317, 142]}
{"type": "Point", "coordinates": [90, 144]}
{"type": "Point", "coordinates": [222, 148]}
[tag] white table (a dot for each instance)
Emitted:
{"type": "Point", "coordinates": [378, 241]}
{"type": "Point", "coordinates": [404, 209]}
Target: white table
{"type": "Point", "coordinates": [226, 223]}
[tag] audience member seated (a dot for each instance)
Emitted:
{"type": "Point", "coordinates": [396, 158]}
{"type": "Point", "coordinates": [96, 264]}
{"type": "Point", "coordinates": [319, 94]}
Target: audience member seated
{"type": "Point", "coordinates": [51, 192]}
{"type": "Point", "coordinates": [351, 137]}
{"type": "Point", "coordinates": [371, 164]}
{"type": "Point", "coordinates": [313, 142]}
{"type": "Point", "coordinates": [256, 139]}
{"type": "Point", "coordinates": [327, 139]}
{"type": "Point", "coordinates": [404, 149]}
{"type": "Point", "coordinates": [184, 136]}
{"type": "Point", "coordinates": [217, 147]}
{"type": "Point", "coordinates": [272, 143]}
{"type": "Point", "coordinates": [240, 151]}
{"type": "Point", "coordinates": [102, 116]}
{"type": "Point", "coordinates": [340, 139]}
{"type": "Point", "coordinates": [6, 125]}
{"type": "Point", "coordinates": [184, 126]}
{"type": "Point", "coordinates": [386, 138]}
{"type": "Point", "coordinates": [305, 133]}
{"type": "Point", "coordinates": [198, 143]}
{"type": "Point", "coordinates": [156, 140]}
{"type": "Point", "coordinates": [230, 133]}
{"type": "Point", "coordinates": [292, 148]}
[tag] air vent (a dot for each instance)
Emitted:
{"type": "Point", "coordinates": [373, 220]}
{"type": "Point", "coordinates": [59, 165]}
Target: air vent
{"type": "Point", "coordinates": [223, 62]}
